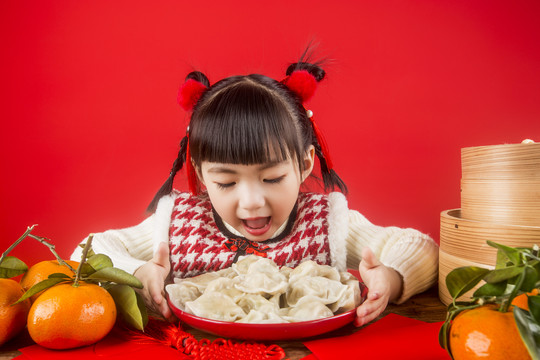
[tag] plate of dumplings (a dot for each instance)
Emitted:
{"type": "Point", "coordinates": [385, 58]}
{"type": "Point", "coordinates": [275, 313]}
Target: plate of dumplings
{"type": "Point", "coordinates": [254, 299]}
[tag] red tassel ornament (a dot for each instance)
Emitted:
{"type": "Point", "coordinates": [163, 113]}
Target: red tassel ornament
{"type": "Point", "coordinates": [302, 83]}
{"type": "Point", "coordinates": [220, 349]}
{"type": "Point", "coordinates": [189, 93]}
{"type": "Point", "coordinates": [322, 143]}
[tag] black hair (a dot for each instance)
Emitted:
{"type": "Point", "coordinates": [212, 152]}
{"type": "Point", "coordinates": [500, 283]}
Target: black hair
{"type": "Point", "coordinates": [250, 119]}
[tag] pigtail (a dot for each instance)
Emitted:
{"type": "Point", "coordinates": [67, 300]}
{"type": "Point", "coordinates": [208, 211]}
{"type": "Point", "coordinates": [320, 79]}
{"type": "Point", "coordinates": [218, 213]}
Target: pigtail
{"type": "Point", "coordinates": [330, 178]}
{"type": "Point", "coordinates": [302, 79]}
{"type": "Point", "coordinates": [189, 94]}
{"type": "Point", "coordinates": [166, 188]}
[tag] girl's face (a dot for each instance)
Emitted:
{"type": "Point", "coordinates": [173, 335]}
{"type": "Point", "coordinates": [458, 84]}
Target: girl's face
{"type": "Point", "coordinates": [255, 199]}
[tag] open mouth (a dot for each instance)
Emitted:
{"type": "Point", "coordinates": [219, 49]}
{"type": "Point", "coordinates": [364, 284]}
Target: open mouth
{"type": "Point", "coordinates": [257, 226]}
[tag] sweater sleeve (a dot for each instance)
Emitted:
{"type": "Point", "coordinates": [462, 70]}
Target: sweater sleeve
{"type": "Point", "coordinates": [411, 253]}
{"type": "Point", "coordinates": [131, 247]}
{"type": "Point", "coordinates": [128, 248]}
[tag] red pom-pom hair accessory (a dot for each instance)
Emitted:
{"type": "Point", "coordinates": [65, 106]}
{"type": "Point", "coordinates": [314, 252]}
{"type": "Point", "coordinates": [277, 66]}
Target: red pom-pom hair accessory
{"type": "Point", "coordinates": [188, 95]}
{"type": "Point", "coordinates": [304, 84]}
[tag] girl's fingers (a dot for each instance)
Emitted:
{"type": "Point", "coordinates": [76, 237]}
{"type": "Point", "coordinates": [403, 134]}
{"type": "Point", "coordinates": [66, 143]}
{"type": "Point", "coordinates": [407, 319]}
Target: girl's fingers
{"type": "Point", "coordinates": [369, 310]}
{"type": "Point", "coordinates": [369, 260]}
{"type": "Point", "coordinates": [161, 256]}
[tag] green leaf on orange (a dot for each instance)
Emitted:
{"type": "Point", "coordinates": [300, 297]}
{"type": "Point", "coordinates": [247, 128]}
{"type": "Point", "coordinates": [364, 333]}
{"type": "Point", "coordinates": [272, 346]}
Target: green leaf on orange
{"type": "Point", "coordinates": [40, 286]}
{"type": "Point", "coordinates": [530, 279]}
{"type": "Point", "coordinates": [512, 254]}
{"type": "Point", "coordinates": [59, 275]}
{"type": "Point", "coordinates": [503, 274]}
{"type": "Point", "coordinates": [534, 307]}
{"type": "Point", "coordinates": [11, 267]}
{"type": "Point", "coordinates": [486, 290]}
{"type": "Point", "coordinates": [463, 279]}
{"type": "Point", "coordinates": [529, 331]}
{"type": "Point", "coordinates": [99, 261]}
{"type": "Point", "coordinates": [129, 305]}
{"type": "Point", "coordinates": [117, 276]}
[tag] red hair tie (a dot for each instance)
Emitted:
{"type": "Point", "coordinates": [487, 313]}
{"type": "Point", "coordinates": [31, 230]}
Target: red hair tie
{"type": "Point", "coordinates": [189, 93]}
{"type": "Point", "coordinates": [302, 83]}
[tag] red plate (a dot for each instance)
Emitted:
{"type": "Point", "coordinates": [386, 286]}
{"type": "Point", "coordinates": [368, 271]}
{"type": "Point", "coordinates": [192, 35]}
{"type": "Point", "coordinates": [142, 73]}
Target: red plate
{"type": "Point", "coordinates": [270, 332]}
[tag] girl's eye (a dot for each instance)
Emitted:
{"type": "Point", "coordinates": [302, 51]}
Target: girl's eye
{"type": "Point", "coordinates": [274, 181]}
{"type": "Point", "coordinates": [225, 186]}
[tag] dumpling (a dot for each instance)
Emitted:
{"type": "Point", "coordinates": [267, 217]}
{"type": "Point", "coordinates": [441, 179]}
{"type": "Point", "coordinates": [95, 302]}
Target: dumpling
{"type": "Point", "coordinates": [261, 317]}
{"type": "Point", "coordinates": [182, 293]}
{"type": "Point", "coordinates": [308, 308]}
{"type": "Point", "coordinates": [262, 283]}
{"type": "Point", "coordinates": [259, 309]}
{"type": "Point", "coordinates": [285, 270]}
{"type": "Point", "coordinates": [225, 286]}
{"type": "Point", "coordinates": [260, 276]}
{"type": "Point", "coordinates": [250, 302]}
{"type": "Point", "coordinates": [352, 296]}
{"type": "Point", "coordinates": [325, 290]}
{"type": "Point", "coordinates": [311, 268]}
{"type": "Point", "coordinates": [241, 267]}
{"type": "Point", "coordinates": [215, 305]}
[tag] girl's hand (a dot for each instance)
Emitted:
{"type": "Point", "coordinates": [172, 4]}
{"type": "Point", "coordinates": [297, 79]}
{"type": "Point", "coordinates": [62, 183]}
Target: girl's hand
{"type": "Point", "coordinates": [153, 275]}
{"type": "Point", "coordinates": [384, 285]}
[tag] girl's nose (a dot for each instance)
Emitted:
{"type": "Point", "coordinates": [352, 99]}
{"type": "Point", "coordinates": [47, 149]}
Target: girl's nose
{"type": "Point", "coordinates": [251, 198]}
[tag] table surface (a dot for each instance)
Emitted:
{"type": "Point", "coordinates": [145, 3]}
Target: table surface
{"type": "Point", "coordinates": [425, 307]}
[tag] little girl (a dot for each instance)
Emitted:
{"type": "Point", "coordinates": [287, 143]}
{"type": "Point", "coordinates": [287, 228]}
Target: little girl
{"type": "Point", "coordinates": [248, 149]}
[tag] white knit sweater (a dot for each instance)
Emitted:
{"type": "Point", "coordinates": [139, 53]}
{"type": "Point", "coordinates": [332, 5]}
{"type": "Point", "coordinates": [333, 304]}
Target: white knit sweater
{"type": "Point", "coordinates": [413, 254]}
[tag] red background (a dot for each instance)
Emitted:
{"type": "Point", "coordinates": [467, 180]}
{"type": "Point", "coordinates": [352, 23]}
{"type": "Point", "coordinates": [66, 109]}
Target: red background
{"type": "Point", "coordinates": [90, 124]}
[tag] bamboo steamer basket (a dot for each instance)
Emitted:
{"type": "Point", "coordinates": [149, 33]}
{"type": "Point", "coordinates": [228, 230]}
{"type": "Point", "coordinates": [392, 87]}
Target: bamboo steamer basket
{"type": "Point", "coordinates": [466, 239]}
{"type": "Point", "coordinates": [508, 201]}
{"type": "Point", "coordinates": [449, 262]}
{"type": "Point", "coordinates": [507, 161]}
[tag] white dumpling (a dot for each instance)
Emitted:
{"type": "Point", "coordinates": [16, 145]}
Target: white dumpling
{"type": "Point", "coordinates": [262, 283]}
{"type": "Point", "coordinates": [285, 270]}
{"type": "Point", "coordinates": [215, 305]}
{"type": "Point", "coordinates": [351, 298]}
{"type": "Point", "coordinates": [307, 309]}
{"type": "Point", "coordinates": [227, 272]}
{"type": "Point", "coordinates": [324, 289]}
{"type": "Point", "coordinates": [241, 267]}
{"type": "Point", "coordinates": [261, 317]}
{"type": "Point", "coordinates": [262, 276]}
{"type": "Point", "coordinates": [199, 281]}
{"type": "Point", "coordinates": [311, 268]}
{"type": "Point", "coordinates": [225, 286]}
{"type": "Point", "coordinates": [250, 302]}
{"type": "Point", "coordinates": [182, 293]}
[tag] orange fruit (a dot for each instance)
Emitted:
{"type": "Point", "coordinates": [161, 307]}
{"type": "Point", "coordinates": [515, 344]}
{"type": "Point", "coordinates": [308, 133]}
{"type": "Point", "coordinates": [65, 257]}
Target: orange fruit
{"type": "Point", "coordinates": [12, 318]}
{"type": "Point", "coordinates": [522, 300]}
{"type": "Point", "coordinates": [486, 333]}
{"type": "Point", "coordinates": [42, 270]}
{"type": "Point", "coordinates": [67, 316]}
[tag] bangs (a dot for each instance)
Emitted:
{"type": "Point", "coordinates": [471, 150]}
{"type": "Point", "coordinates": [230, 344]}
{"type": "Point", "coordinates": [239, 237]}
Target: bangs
{"type": "Point", "coordinates": [244, 123]}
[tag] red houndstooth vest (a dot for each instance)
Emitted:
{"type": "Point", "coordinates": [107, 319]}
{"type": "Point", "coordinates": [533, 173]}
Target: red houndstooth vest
{"type": "Point", "coordinates": [197, 244]}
